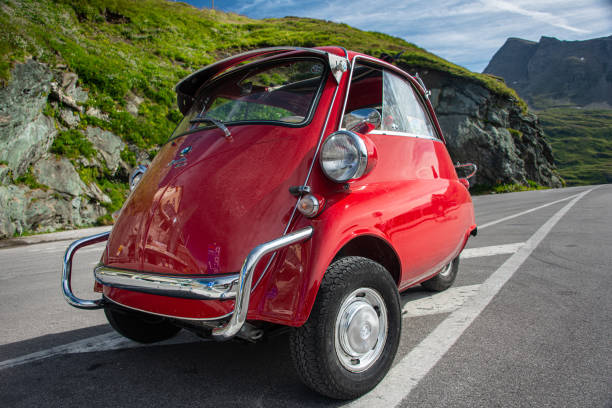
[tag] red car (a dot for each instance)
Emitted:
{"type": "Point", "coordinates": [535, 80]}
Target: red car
{"type": "Point", "coordinates": [304, 188]}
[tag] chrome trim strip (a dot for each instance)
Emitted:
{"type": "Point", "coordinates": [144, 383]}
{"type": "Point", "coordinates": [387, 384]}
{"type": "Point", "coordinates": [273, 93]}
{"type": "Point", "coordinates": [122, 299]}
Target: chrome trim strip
{"type": "Point", "coordinates": [241, 305]}
{"type": "Point", "coordinates": [403, 134]}
{"type": "Point", "coordinates": [66, 281]}
{"type": "Point", "coordinates": [203, 288]}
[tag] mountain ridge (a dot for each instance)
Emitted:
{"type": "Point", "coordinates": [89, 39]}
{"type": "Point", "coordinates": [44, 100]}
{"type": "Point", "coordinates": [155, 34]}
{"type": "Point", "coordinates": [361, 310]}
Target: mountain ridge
{"type": "Point", "coordinates": [555, 73]}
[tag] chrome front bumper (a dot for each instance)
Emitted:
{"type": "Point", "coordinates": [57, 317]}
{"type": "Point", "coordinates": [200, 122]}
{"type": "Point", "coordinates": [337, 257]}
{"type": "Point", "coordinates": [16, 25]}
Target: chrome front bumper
{"type": "Point", "coordinates": [234, 286]}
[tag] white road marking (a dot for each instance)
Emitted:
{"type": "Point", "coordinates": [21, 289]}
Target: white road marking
{"type": "Point", "coordinates": [488, 224]}
{"type": "Point", "coordinates": [491, 250]}
{"type": "Point", "coordinates": [426, 303]}
{"type": "Point", "coordinates": [103, 342]}
{"type": "Point", "coordinates": [415, 365]}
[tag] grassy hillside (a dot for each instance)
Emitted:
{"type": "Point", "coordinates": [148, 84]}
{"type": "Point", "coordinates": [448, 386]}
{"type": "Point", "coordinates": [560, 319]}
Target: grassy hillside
{"type": "Point", "coordinates": [581, 140]}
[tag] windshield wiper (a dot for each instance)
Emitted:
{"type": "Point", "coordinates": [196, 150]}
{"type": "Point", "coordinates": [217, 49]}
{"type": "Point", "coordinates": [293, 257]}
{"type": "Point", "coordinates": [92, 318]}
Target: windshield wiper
{"type": "Point", "coordinates": [217, 123]}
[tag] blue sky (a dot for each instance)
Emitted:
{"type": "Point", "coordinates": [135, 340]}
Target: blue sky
{"type": "Point", "coordinates": [465, 32]}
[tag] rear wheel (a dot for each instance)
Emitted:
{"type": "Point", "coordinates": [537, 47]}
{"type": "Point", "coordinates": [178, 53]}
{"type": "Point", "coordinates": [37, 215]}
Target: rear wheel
{"type": "Point", "coordinates": [140, 327]}
{"type": "Point", "coordinates": [445, 278]}
{"type": "Point", "coordinates": [348, 344]}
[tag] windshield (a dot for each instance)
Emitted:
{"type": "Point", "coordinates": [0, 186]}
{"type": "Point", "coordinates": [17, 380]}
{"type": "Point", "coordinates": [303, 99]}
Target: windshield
{"type": "Point", "coordinates": [281, 92]}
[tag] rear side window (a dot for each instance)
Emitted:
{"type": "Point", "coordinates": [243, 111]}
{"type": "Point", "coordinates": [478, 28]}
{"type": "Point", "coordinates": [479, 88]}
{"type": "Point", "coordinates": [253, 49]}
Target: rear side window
{"type": "Point", "coordinates": [395, 99]}
{"type": "Point", "coordinates": [402, 111]}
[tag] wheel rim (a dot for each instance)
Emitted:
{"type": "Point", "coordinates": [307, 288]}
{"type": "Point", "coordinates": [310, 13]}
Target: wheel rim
{"type": "Point", "coordinates": [361, 329]}
{"type": "Point", "coordinates": [446, 271]}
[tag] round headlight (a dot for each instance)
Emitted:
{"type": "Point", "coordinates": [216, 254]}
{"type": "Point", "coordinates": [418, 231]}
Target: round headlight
{"type": "Point", "coordinates": [343, 156]}
{"type": "Point", "coordinates": [136, 175]}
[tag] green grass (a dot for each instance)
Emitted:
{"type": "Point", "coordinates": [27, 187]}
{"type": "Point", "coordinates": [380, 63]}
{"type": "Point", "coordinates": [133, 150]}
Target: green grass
{"type": "Point", "coordinates": [72, 144]}
{"type": "Point", "coordinates": [480, 189]}
{"type": "Point", "coordinates": [581, 141]}
{"type": "Point", "coordinates": [28, 179]}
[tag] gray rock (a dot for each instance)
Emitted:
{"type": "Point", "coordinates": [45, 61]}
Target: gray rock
{"type": "Point", "coordinates": [59, 174]}
{"type": "Point", "coordinates": [108, 145]}
{"type": "Point", "coordinates": [25, 133]}
{"type": "Point", "coordinates": [12, 210]}
{"type": "Point", "coordinates": [476, 124]}
{"type": "Point", "coordinates": [70, 88]}
{"type": "Point", "coordinates": [93, 191]}
{"type": "Point", "coordinates": [22, 209]}
{"type": "Point", "coordinates": [4, 174]}
{"type": "Point", "coordinates": [97, 113]}
{"type": "Point", "coordinates": [133, 101]}
{"type": "Point", "coordinates": [69, 118]}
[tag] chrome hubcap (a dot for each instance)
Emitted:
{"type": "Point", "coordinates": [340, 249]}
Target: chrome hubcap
{"type": "Point", "coordinates": [361, 329]}
{"type": "Point", "coordinates": [446, 270]}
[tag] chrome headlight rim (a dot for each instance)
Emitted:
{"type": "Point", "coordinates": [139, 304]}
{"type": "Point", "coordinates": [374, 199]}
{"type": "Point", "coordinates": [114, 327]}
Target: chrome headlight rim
{"type": "Point", "coordinates": [136, 175]}
{"type": "Point", "coordinates": [362, 155]}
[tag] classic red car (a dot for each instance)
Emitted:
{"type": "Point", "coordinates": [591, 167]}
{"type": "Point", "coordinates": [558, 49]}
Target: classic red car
{"type": "Point", "coordinates": [304, 188]}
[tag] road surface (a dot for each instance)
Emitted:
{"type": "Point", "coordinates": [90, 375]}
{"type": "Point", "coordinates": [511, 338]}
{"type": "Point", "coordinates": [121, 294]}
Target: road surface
{"type": "Point", "coordinates": [527, 323]}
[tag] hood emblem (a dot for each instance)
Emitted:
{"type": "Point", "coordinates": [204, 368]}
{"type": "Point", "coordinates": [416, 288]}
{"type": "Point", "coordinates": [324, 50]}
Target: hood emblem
{"type": "Point", "coordinates": [181, 160]}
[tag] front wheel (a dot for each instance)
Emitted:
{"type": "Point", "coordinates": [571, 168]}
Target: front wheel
{"type": "Point", "coordinates": [348, 344]}
{"type": "Point", "coordinates": [140, 327]}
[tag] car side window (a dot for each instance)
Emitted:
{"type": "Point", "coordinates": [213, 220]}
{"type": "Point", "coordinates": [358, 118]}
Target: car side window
{"type": "Point", "coordinates": [401, 109]}
{"type": "Point", "coordinates": [365, 90]}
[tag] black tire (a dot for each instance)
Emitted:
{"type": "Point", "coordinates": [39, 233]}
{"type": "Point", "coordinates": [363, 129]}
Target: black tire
{"type": "Point", "coordinates": [444, 279]}
{"type": "Point", "coordinates": [315, 346]}
{"type": "Point", "coordinates": [140, 327]}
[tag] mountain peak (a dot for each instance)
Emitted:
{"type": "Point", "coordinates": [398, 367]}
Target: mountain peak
{"type": "Point", "coordinates": [553, 72]}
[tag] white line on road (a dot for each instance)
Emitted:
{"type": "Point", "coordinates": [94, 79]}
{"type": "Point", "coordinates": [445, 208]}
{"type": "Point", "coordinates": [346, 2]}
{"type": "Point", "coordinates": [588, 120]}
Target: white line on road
{"type": "Point", "coordinates": [488, 224]}
{"type": "Point", "coordinates": [425, 303]}
{"type": "Point", "coordinates": [491, 250]}
{"type": "Point", "coordinates": [103, 342]}
{"type": "Point", "coordinates": [415, 365]}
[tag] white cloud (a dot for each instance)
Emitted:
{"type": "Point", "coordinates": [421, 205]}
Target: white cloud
{"type": "Point", "coordinates": [545, 17]}
{"type": "Point", "coordinates": [465, 32]}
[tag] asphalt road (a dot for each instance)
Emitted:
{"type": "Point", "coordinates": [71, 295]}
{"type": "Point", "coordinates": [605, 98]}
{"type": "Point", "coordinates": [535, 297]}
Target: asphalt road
{"type": "Point", "coordinates": [527, 323]}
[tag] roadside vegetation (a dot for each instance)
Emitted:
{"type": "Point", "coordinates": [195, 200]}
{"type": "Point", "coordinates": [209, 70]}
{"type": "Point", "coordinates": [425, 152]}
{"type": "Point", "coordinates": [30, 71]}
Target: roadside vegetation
{"type": "Point", "coordinates": [581, 140]}
{"type": "Point", "coordinates": [480, 189]}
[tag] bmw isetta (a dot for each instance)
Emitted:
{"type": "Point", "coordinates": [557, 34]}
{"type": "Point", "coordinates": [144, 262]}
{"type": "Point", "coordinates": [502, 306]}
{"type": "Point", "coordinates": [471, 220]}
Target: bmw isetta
{"type": "Point", "coordinates": [305, 188]}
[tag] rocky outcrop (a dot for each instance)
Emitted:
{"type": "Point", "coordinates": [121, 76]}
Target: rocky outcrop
{"type": "Point", "coordinates": [25, 132]}
{"type": "Point", "coordinates": [491, 131]}
{"type": "Point", "coordinates": [108, 145]}
{"type": "Point", "coordinates": [24, 209]}
{"type": "Point", "coordinates": [57, 198]}
{"type": "Point", "coordinates": [552, 72]}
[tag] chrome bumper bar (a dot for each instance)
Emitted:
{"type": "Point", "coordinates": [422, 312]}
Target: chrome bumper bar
{"type": "Point", "coordinates": [67, 272]}
{"type": "Point", "coordinates": [234, 286]}
{"type": "Point", "coordinates": [209, 288]}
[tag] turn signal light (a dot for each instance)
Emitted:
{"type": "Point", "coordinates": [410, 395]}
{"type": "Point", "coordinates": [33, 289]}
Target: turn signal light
{"type": "Point", "coordinates": [310, 205]}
